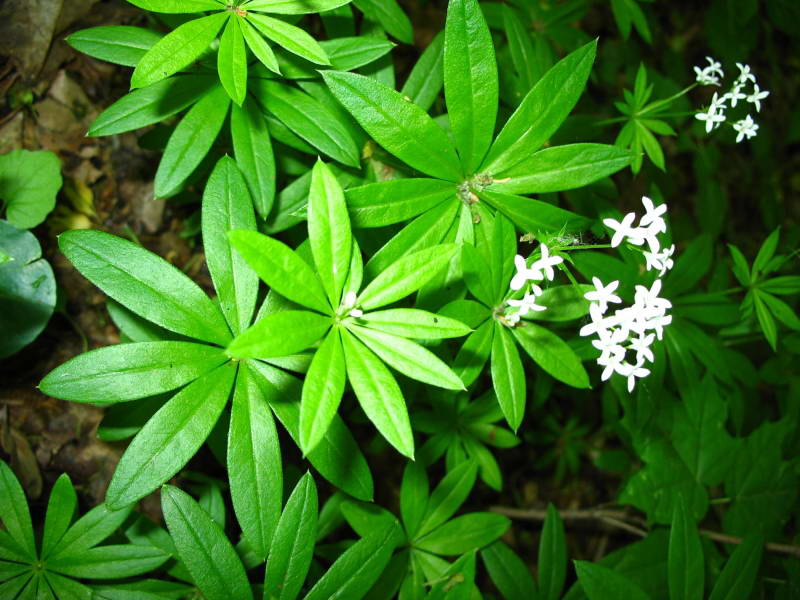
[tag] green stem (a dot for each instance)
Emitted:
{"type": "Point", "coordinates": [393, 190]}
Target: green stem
{"type": "Point", "coordinates": [651, 107]}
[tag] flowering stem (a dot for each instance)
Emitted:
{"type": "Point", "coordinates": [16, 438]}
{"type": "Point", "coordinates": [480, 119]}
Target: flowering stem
{"type": "Point", "coordinates": [586, 247]}
{"type": "Point", "coordinates": [658, 103]}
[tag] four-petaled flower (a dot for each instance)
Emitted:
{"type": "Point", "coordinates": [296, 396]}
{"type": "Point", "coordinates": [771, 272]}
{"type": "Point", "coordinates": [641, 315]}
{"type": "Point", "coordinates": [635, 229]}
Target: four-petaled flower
{"type": "Point", "coordinates": [757, 96]}
{"type": "Point", "coordinates": [603, 294]}
{"type": "Point", "coordinates": [745, 128]}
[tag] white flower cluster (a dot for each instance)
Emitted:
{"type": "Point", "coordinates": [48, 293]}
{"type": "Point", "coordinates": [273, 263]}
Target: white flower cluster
{"type": "Point", "coordinates": [631, 329]}
{"type": "Point", "coordinates": [650, 225]}
{"type": "Point", "coordinates": [540, 269]}
{"type": "Point", "coordinates": [715, 114]}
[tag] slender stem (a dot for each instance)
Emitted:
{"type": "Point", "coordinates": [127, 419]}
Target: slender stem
{"type": "Point", "coordinates": [627, 522]}
{"type": "Point", "coordinates": [652, 106]}
{"type": "Point", "coordinates": [586, 247]}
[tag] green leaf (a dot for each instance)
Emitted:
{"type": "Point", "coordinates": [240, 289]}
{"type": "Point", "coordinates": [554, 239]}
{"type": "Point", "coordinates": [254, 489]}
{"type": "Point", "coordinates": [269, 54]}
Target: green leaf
{"type": "Point", "coordinates": [523, 54]}
{"type": "Point", "coordinates": [686, 568]}
{"type": "Point", "coordinates": [309, 119]}
{"type": "Point", "coordinates": [348, 53]}
{"type": "Point", "coordinates": [401, 127]}
{"type": "Point", "coordinates": [552, 354]}
{"type": "Point", "coordinates": [509, 573]}
{"type": "Point", "coordinates": [60, 511]}
{"type": "Point", "coordinates": [27, 289]}
{"type": "Point", "coordinates": [268, 338]}
{"type": "Point", "coordinates": [254, 464]}
{"type": "Point", "coordinates": [457, 582]}
{"type": "Point", "coordinates": [470, 359]}
{"type": "Point", "coordinates": [337, 456]}
{"type": "Point", "coordinates": [739, 575]}
{"type": "Point", "coordinates": [408, 358]}
{"type": "Point", "coordinates": [145, 283]}
{"type": "Point", "coordinates": [552, 556]}
{"type": "Point", "coordinates": [563, 302]}
{"type": "Point", "coordinates": [29, 182]}
{"type": "Point", "coordinates": [470, 81]}
{"type": "Point", "coordinates": [390, 16]}
{"type": "Point", "coordinates": [152, 104]}
{"type": "Point", "coordinates": [414, 323]}
{"type": "Point", "coordinates": [322, 392]}
{"type": "Point", "coordinates": [91, 529]}
{"type": "Point", "coordinates": [281, 269]}
{"type": "Point", "coordinates": [177, 6]}
{"type": "Point", "coordinates": [448, 496]}
{"type": "Point", "coordinates": [508, 376]}
{"type": "Point", "coordinates": [168, 440]}
{"type": "Point", "coordinates": [295, 7]}
{"type": "Point", "coordinates": [378, 394]}
{"type": "Point", "coordinates": [294, 39]}
{"type": "Point", "coordinates": [232, 61]}
{"type": "Point", "coordinates": [253, 150]}
{"type": "Point", "coordinates": [779, 309]}
{"type": "Point", "coordinates": [130, 371]}
{"type": "Point", "coordinates": [765, 253]}
{"type": "Point", "coordinates": [203, 548]}
{"type": "Point", "coordinates": [329, 231]}
{"type": "Point", "coordinates": [118, 44]}
{"type": "Point", "coordinates": [227, 206]}
{"type": "Point", "coordinates": [462, 534]}
{"type": "Point", "coordinates": [396, 200]}
{"type": "Point", "coordinates": [601, 583]}
{"type": "Point", "coordinates": [740, 267]}
{"type": "Point", "coordinates": [563, 168]}
{"type": "Point", "coordinates": [427, 77]}
{"type": "Point", "coordinates": [405, 276]}
{"type": "Point", "coordinates": [191, 141]}
{"type": "Point", "coordinates": [178, 49]}
{"type": "Point", "coordinates": [14, 512]}
{"type": "Point", "coordinates": [13, 587]}
{"type": "Point", "coordinates": [293, 545]}
{"type": "Point", "coordinates": [413, 497]}
{"type": "Point", "coordinates": [650, 144]}
{"type": "Point", "coordinates": [259, 46]}
{"type": "Point", "coordinates": [366, 517]}
{"type": "Point", "coordinates": [359, 567]}
{"type": "Point", "coordinates": [541, 113]}
{"type": "Point", "coordinates": [766, 321]}
{"type": "Point", "coordinates": [534, 215]}
{"type": "Point", "coordinates": [692, 264]}
{"type": "Point", "coordinates": [109, 562]}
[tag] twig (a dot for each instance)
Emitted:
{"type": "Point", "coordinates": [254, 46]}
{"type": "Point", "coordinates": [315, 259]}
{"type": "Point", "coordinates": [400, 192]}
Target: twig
{"type": "Point", "coordinates": [623, 520]}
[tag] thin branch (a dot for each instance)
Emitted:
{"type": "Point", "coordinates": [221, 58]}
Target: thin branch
{"type": "Point", "coordinates": [622, 520]}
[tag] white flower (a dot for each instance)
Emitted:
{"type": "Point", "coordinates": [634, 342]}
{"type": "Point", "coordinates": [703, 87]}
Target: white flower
{"type": "Point", "coordinates": [745, 128]}
{"type": "Point", "coordinates": [735, 94]}
{"type": "Point", "coordinates": [657, 324]}
{"type": "Point", "coordinates": [526, 304]}
{"type": "Point", "coordinates": [603, 294]}
{"type": "Point", "coordinates": [349, 302]}
{"type": "Point", "coordinates": [632, 372]}
{"type": "Point", "coordinates": [622, 229]}
{"type": "Point", "coordinates": [660, 260]}
{"type": "Point", "coordinates": [649, 298]}
{"type": "Point", "coordinates": [757, 96]}
{"type": "Point", "coordinates": [744, 74]}
{"type": "Point", "coordinates": [598, 324]}
{"type": "Point", "coordinates": [653, 214]}
{"type": "Point", "coordinates": [715, 113]}
{"type": "Point", "coordinates": [641, 345]}
{"type": "Point", "coordinates": [711, 74]}
{"type": "Point", "coordinates": [523, 273]}
{"type": "Point", "coordinates": [546, 263]}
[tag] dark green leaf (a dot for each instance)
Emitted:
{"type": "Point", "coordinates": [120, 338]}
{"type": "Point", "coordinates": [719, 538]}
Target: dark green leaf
{"type": "Point", "coordinates": [739, 575]}
{"type": "Point", "coordinates": [552, 354]}
{"type": "Point", "coordinates": [509, 573]}
{"type": "Point", "coordinates": [601, 583]}
{"type": "Point", "coordinates": [413, 497]}
{"type": "Point", "coordinates": [322, 392]}
{"type": "Point", "coordinates": [686, 570]}
{"type": "Point", "coordinates": [60, 510]}
{"type": "Point", "coordinates": [552, 556]}
{"type": "Point", "coordinates": [462, 534]}
{"type": "Point", "coordinates": [390, 16]}
{"type": "Point", "coordinates": [177, 6]}
{"type": "Point", "coordinates": [469, 361]}
{"type": "Point", "coordinates": [14, 512]}
{"type": "Point", "coordinates": [109, 562]}
{"type": "Point", "coordinates": [448, 496]}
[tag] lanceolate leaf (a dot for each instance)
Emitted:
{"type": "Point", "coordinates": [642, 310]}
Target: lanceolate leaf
{"type": "Point", "coordinates": [130, 371]}
{"type": "Point", "coordinates": [254, 464]}
{"type": "Point", "coordinates": [295, 7]}
{"type": "Point", "coordinates": [309, 119]}
{"type": "Point", "coordinates": [686, 560]}
{"type": "Point", "coordinates": [534, 215]}
{"type": "Point", "coordinates": [552, 354]}
{"type": "Point", "coordinates": [462, 534]}
{"type": "Point", "coordinates": [91, 529]}
{"type": "Point", "coordinates": [152, 104]}
{"type": "Point", "coordinates": [406, 276]}
{"type": "Point", "coordinates": [357, 569]}
{"type": "Point", "coordinates": [191, 141]}
{"type": "Point", "coordinates": [469, 361]}
{"type": "Point", "coordinates": [293, 545]}
{"type": "Point", "coordinates": [203, 548]}
{"type": "Point", "coordinates": [232, 61]}
{"type": "Point", "coordinates": [396, 200]}
{"type": "Point", "coordinates": [171, 437]}
{"type": "Point", "coordinates": [470, 81]}
{"type": "Point", "coordinates": [564, 168]}
{"type": "Point", "coordinates": [409, 358]}
{"type": "Point", "coordinates": [401, 127]}
{"type": "Point", "coordinates": [177, 49]}
{"type": "Point", "coordinates": [178, 6]}
{"type": "Point", "coordinates": [427, 77]}
{"type": "Point", "coordinates": [259, 46]}
{"type": "Point", "coordinates": [413, 497]}
{"type": "Point", "coordinates": [292, 38]}
{"type": "Point", "coordinates": [14, 511]}
{"type": "Point", "coordinates": [145, 283]}
{"type": "Point", "coordinates": [737, 578]}
{"type": "Point", "coordinates": [508, 572]}
{"type": "Point", "coordinates": [552, 556]}
{"type": "Point", "coordinates": [329, 231]}
{"type": "Point", "coordinates": [337, 457]}
{"type": "Point", "coordinates": [227, 206]}
{"type": "Point", "coordinates": [60, 511]}
{"type": "Point", "coordinates": [414, 323]}
{"type": "Point", "coordinates": [601, 583]}
{"type": "Point", "coordinates": [280, 334]}
{"type": "Point", "coordinates": [448, 496]}
{"type": "Point", "coordinates": [348, 53]}
{"type": "Point", "coordinates": [508, 376]}
{"type": "Point", "coordinates": [118, 44]}
{"type": "Point", "coordinates": [378, 394]}
{"type": "Point", "coordinates": [322, 391]}
{"type": "Point", "coordinates": [541, 112]}
{"type": "Point", "coordinates": [390, 16]}
{"type": "Point", "coordinates": [281, 269]}
{"type": "Point", "coordinates": [109, 562]}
